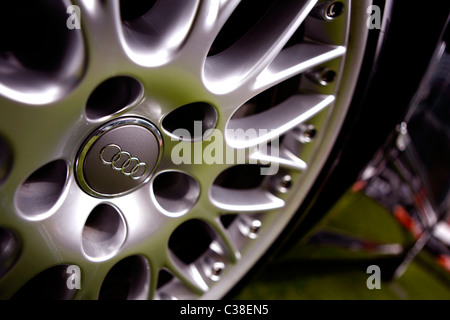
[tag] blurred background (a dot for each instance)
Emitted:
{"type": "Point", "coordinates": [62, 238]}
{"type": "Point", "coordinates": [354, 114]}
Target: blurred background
{"type": "Point", "coordinates": [336, 268]}
{"type": "Point", "coordinates": [395, 216]}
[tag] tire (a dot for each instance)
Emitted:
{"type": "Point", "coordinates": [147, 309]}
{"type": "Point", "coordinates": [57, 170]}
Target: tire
{"type": "Point", "coordinates": [108, 184]}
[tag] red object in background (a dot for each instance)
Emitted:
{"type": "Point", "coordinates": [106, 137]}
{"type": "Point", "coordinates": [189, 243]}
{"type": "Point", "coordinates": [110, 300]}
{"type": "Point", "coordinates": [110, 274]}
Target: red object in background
{"type": "Point", "coordinates": [444, 261]}
{"type": "Point", "coordinates": [402, 215]}
{"type": "Point", "coordinates": [359, 185]}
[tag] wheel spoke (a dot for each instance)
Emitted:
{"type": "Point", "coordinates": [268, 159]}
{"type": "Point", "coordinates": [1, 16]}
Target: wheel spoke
{"type": "Point", "coordinates": [257, 48]}
{"type": "Point", "coordinates": [101, 26]}
{"type": "Point", "coordinates": [31, 262]}
{"type": "Point", "coordinates": [187, 274]}
{"type": "Point", "coordinates": [154, 37]}
{"type": "Point", "coordinates": [224, 240]}
{"type": "Point", "coordinates": [282, 157]}
{"type": "Point", "coordinates": [103, 166]}
{"type": "Point", "coordinates": [295, 60]}
{"type": "Point", "coordinates": [252, 200]}
{"type": "Point", "coordinates": [275, 121]}
{"type": "Point", "coordinates": [31, 146]}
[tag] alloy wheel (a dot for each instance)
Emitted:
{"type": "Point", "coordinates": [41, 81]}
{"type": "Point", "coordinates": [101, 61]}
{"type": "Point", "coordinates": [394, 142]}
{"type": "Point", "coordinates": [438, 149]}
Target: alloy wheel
{"type": "Point", "coordinates": [140, 147]}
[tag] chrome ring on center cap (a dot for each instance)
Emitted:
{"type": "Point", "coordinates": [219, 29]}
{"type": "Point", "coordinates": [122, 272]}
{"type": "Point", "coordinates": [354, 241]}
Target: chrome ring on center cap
{"type": "Point", "coordinates": [119, 157]}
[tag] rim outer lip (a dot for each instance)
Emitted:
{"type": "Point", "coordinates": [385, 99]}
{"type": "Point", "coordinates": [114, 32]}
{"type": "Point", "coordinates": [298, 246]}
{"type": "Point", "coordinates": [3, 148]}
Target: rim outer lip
{"type": "Point", "coordinates": [97, 134]}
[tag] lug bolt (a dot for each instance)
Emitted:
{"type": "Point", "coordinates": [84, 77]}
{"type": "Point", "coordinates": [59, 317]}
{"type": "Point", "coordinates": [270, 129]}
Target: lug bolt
{"type": "Point", "coordinates": [322, 76]}
{"type": "Point", "coordinates": [285, 183]}
{"type": "Point", "coordinates": [309, 134]}
{"type": "Point", "coordinates": [216, 270]}
{"type": "Point", "coordinates": [306, 133]}
{"type": "Point", "coordinates": [254, 228]}
{"type": "Point", "coordinates": [250, 227]}
{"type": "Point", "coordinates": [327, 76]}
{"type": "Point", "coordinates": [334, 10]}
{"type": "Point", "coordinates": [328, 10]}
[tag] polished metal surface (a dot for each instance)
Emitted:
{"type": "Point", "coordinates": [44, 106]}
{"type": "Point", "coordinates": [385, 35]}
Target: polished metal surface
{"type": "Point", "coordinates": [64, 205]}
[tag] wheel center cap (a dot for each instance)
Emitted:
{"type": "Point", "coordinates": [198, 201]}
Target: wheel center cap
{"type": "Point", "coordinates": [119, 157]}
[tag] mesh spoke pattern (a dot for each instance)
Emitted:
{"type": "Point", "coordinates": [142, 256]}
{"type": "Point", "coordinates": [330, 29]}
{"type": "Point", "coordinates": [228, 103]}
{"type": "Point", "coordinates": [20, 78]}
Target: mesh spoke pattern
{"type": "Point", "coordinates": [262, 79]}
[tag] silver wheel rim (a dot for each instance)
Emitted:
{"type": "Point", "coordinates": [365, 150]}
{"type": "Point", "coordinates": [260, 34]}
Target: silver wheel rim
{"type": "Point", "coordinates": [48, 222]}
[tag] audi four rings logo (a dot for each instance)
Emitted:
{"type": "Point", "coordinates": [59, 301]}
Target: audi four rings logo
{"type": "Point", "coordinates": [128, 165]}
